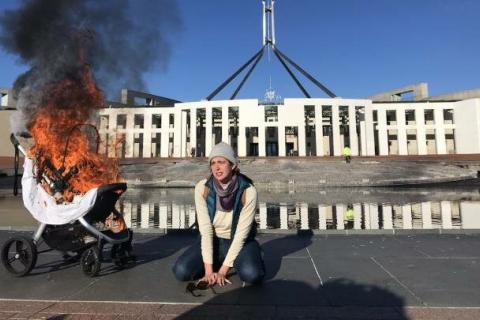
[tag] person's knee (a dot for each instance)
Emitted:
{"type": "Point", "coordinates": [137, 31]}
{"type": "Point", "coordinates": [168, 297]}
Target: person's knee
{"type": "Point", "coordinates": [181, 271]}
{"type": "Point", "coordinates": [251, 273]}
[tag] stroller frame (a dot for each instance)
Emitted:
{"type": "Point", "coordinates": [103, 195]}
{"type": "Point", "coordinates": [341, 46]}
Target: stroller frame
{"type": "Point", "coordinates": [90, 253]}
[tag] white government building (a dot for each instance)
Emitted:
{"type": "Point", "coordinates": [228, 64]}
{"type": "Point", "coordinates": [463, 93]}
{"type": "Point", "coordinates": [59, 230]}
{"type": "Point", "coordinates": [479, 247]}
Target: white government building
{"type": "Point", "coordinates": [152, 126]}
{"type": "Point", "coordinates": [381, 125]}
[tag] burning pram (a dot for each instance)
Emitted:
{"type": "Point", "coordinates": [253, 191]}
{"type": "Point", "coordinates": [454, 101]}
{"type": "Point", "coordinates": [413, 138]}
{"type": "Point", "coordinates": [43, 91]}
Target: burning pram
{"type": "Point", "coordinates": [69, 227]}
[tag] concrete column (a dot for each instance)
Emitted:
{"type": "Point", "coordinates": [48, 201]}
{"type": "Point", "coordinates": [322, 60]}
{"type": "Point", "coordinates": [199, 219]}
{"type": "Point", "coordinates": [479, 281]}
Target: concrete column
{"type": "Point", "coordinates": [283, 216]}
{"type": "Point", "coordinates": [469, 214]}
{"type": "Point", "coordinates": [127, 213]}
{"type": "Point", "coordinates": [175, 216]}
{"type": "Point", "coordinates": [263, 215]}
{"type": "Point", "coordinates": [147, 135]}
{"type": "Point", "coordinates": [178, 132]}
{"type": "Point", "coordinates": [336, 131]}
{"type": "Point", "coordinates": [301, 140]}
{"type": "Point", "coordinates": [440, 132]}
{"type": "Point", "coordinates": [421, 131]}
{"type": "Point", "coordinates": [374, 223]}
{"type": "Point", "coordinates": [182, 213]}
{"type": "Point", "coordinates": [208, 130]}
{"type": "Point", "coordinates": [319, 131]}
{"type": "Point", "coordinates": [340, 216]}
{"type": "Point", "coordinates": [357, 216]}
{"type": "Point", "coordinates": [366, 219]}
{"type": "Point", "coordinates": [382, 132]}
{"type": "Point", "coordinates": [352, 128]}
{"type": "Point", "coordinates": [112, 136]}
{"type": "Point", "coordinates": [407, 216]}
{"type": "Point", "coordinates": [369, 134]}
{"type": "Point", "coordinates": [162, 215]}
{"type": "Point", "coordinates": [164, 135]}
{"type": "Point", "coordinates": [225, 125]}
{"type": "Point", "coordinates": [322, 217]}
{"type": "Point", "coordinates": [402, 132]}
{"type": "Point", "coordinates": [144, 215]}
{"type": "Point", "coordinates": [191, 215]}
{"type": "Point", "coordinates": [282, 152]}
{"type": "Point", "coordinates": [387, 217]}
{"type": "Point", "coordinates": [242, 141]}
{"type": "Point", "coordinates": [129, 136]}
{"type": "Point", "coordinates": [261, 142]}
{"type": "Point", "coordinates": [304, 216]}
{"type": "Point", "coordinates": [193, 130]}
{"type": "Point", "coordinates": [426, 215]}
{"type": "Point", "coordinates": [446, 208]}
{"type": "Point", "coordinates": [182, 135]}
{"type": "Point", "coordinates": [363, 138]}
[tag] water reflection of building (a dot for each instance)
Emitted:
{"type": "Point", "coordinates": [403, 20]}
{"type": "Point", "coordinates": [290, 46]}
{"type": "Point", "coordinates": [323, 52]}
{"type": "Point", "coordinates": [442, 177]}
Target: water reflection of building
{"type": "Point", "coordinates": [369, 216]}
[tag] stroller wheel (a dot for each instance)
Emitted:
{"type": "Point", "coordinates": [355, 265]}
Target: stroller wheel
{"type": "Point", "coordinates": [90, 261]}
{"type": "Point", "coordinates": [19, 255]}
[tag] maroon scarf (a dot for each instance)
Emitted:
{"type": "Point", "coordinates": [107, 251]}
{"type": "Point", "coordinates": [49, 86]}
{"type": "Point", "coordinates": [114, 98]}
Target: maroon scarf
{"type": "Point", "coordinates": [226, 198]}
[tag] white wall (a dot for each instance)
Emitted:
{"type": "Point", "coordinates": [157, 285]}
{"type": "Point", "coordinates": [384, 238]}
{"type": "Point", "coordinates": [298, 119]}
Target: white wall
{"type": "Point", "coordinates": [466, 116]}
{"type": "Point", "coordinates": [6, 148]}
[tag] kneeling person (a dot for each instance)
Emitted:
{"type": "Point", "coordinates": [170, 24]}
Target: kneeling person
{"type": "Point", "coordinates": [225, 203]}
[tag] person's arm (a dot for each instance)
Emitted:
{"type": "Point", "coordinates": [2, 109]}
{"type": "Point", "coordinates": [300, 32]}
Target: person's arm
{"type": "Point", "coordinates": [205, 226]}
{"type": "Point", "coordinates": [245, 221]}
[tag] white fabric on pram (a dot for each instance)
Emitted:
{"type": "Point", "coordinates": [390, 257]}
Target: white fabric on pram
{"type": "Point", "coordinates": [43, 206]}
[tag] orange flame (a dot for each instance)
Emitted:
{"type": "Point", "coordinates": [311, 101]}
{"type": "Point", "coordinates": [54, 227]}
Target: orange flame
{"type": "Point", "coordinates": [67, 105]}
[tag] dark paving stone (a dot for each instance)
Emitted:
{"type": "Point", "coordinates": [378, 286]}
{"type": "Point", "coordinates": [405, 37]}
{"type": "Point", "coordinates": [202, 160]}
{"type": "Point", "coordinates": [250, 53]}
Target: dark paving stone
{"type": "Point", "coordinates": [357, 271]}
{"type": "Point", "coordinates": [449, 282]}
{"type": "Point", "coordinates": [443, 245]}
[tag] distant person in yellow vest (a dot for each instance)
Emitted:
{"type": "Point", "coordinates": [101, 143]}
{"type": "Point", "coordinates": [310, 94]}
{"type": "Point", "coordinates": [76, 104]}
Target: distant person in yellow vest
{"type": "Point", "coordinates": [349, 217]}
{"type": "Point", "coordinates": [347, 153]}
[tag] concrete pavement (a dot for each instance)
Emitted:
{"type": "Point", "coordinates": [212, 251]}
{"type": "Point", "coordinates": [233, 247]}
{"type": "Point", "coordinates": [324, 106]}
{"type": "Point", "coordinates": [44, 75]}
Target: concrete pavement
{"type": "Point", "coordinates": [308, 277]}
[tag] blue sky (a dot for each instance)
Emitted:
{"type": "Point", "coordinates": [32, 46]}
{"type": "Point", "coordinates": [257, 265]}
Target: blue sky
{"type": "Point", "coordinates": [354, 47]}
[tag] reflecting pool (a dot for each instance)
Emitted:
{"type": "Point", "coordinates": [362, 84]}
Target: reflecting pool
{"type": "Point", "coordinates": [368, 209]}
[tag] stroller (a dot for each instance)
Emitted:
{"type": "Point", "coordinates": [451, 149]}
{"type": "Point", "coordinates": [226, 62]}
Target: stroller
{"type": "Point", "coordinates": [72, 232]}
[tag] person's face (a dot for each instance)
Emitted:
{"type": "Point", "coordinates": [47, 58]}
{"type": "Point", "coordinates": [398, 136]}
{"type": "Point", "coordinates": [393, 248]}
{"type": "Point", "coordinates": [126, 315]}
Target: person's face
{"type": "Point", "coordinates": [222, 169]}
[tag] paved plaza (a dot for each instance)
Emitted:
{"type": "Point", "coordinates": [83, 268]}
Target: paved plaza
{"type": "Point", "coordinates": [424, 276]}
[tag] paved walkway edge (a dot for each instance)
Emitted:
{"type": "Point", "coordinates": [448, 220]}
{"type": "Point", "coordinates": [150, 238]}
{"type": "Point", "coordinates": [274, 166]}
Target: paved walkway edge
{"type": "Point", "coordinates": [56, 309]}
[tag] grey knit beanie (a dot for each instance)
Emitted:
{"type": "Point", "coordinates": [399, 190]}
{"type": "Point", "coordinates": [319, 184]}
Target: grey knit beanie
{"type": "Point", "coordinates": [223, 150]}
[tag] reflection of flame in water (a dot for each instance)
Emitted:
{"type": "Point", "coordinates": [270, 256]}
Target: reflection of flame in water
{"type": "Point", "coordinates": [69, 103]}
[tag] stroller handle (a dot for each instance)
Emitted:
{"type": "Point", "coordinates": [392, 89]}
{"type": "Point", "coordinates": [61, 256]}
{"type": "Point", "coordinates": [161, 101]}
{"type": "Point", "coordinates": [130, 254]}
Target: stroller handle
{"type": "Point", "coordinates": [17, 144]}
{"type": "Point", "coordinates": [121, 186]}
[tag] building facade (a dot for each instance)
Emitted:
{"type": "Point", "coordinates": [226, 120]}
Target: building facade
{"type": "Point", "coordinates": [145, 126]}
{"type": "Point", "coordinates": [294, 127]}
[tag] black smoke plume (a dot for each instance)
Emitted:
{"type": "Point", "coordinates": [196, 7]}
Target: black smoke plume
{"type": "Point", "coordinates": [119, 40]}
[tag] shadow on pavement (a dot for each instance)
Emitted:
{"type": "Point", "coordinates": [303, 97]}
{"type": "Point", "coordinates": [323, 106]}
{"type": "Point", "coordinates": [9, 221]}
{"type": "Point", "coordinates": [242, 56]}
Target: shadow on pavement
{"type": "Point", "coordinates": [145, 248]}
{"type": "Point", "coordinates": [274, 250]}
{"type": "Point", "coordinates": [149, 249]}
{"type": "Point", "coordinates": [284, 299]}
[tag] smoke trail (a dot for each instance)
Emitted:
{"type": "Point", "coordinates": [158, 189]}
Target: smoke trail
{"type": "Point", "coordinates": [119, 39]}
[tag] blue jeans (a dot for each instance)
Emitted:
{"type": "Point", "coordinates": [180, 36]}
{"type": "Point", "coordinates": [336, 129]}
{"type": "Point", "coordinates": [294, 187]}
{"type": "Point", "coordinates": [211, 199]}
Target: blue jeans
{"type": "Point", "coordinates": [248, 264]}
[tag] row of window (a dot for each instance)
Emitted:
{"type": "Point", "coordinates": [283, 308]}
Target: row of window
{"type": "Point", "coordinates": [271, 115]}
{"type": "Point", "coordinates": [410, 116]}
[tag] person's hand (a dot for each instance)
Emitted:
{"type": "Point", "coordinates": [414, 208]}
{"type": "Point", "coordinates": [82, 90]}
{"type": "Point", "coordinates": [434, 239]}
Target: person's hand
{"type": "Point", "coordinates": [222, 276]}
{"type": "Point", "coordinates": [210, 278]}
{"type": "Point", "coordinates": [222, 280]}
